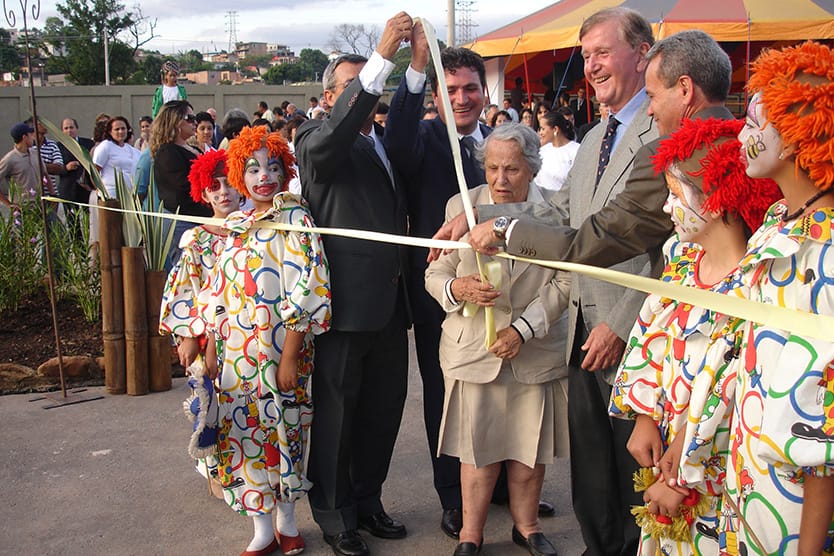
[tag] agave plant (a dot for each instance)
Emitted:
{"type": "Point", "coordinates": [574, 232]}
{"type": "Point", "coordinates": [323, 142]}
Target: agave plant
{"type": "Point", "coordinates": [158, 237]}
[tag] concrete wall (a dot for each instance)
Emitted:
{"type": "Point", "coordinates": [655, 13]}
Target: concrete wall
{"type": "Point", "coordinates": [133, 102]}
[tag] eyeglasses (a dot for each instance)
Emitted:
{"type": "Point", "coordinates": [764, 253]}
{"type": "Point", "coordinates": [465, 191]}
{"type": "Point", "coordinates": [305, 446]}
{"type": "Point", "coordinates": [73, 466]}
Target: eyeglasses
{"type": "Point", "coordinates": [190, 118]}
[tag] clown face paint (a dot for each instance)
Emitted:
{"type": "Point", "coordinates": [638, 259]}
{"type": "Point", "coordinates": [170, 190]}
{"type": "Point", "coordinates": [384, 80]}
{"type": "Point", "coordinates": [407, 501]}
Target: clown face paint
{"type": "Point", "coordinates": [264, 178]}
{"type": "Point", "coordinates": [223, 198]}
{"type": "Point", "coordinates": [760, 142]}
{"type": "Point", "coordinates": [684, 205]}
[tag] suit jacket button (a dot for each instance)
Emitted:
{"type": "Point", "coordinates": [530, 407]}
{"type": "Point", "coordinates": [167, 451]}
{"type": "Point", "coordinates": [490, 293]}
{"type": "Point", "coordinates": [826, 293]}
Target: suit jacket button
{"type": "Point", "coordinates": [395, 280]}
{"type": "Point", "coordinates": [575, 303]}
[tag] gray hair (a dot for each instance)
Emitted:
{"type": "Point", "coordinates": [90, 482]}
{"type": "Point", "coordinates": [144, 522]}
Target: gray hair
{"type": "Point", "coordinates": [527, 139]}
{"type": "Point", "coordinates": [328, 80]}
{"type": "Point", "coordinates": [696, 54]}
{"type": "Point", "coordinates": [235, 113]}
{"type": "Point", "coordinates": [634, 28]}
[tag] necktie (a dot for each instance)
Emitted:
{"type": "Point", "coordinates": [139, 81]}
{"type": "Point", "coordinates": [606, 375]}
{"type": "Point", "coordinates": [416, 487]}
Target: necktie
{"type": "Point", "coordinates": [607, 144]}
{"type": "Point", "coordinates": [468, 144]}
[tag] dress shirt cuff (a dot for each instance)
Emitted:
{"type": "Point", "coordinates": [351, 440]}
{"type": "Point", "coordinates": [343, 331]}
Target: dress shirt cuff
{"type": "Point", "coordinates": [454, 305]}
{"type": "Point", "coordinates": [375, 73]}
{"type": "Point", "coordinates": [414, 80]}
{"type": "Point", "coordinates": [523, 328]}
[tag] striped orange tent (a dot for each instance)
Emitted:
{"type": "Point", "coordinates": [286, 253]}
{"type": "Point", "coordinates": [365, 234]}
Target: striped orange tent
{"type": "Point", "coordinates": [550, 36]}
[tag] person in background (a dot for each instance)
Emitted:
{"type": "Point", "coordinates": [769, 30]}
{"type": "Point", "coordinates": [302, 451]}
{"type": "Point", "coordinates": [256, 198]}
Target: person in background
{"type": "Point", "coordinates": [381, 113]}
{"type": "Point", "coordinates": [218, 133]}
{"type": "Point", "coordinates": [601, 117]}
{"type": "Point", "coordinates": [512, 112]}
{"type": "Point", "coordinates": [489, 113]}
{"type": "Point", "coordinates": [21, 165]}
{"type": "Point", "coordinates": [143, 141]}
{"type": "Point", "coordinates": [558, 150]}
{"type": "Point", "coordinates": [314, 103]}
{"type": "Point", "coordinates": [74, 183]}
{"type": "Point", "coordinates": [115, 156]}
{"type": "Point", "coordinates": [233, 122]}
{"type": "Point", "coordinates": [527, 117]}
{"type": "Point", "coordinates": [264, 112]}
{"type": "Point", "coordinates": [172, 156]}
{"type": "Point", "coordinates": [579, 106]}
{"type": "Point", "coordinates": [169, 89]}
{"type": "Point", "coordinates": [501, 117]}
{"type": "Point", "coordinates": [204, 135]}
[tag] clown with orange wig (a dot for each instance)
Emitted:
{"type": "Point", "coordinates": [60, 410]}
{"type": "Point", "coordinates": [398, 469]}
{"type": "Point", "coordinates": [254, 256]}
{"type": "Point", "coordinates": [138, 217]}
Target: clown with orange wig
{"type": "Point", "coordinates": [676, 379]}
{"type": "Point", "coordinates": [780, 477]}
{"type": "Point", "coordinates": [270, 296]}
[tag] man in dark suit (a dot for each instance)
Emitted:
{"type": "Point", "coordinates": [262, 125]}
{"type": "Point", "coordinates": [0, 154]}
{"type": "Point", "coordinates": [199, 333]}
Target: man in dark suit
{"type": "Point", "coordinates": [421, 150]}
{"type": "Point", "coordinates": [74, 184]}
{"type": "Point", "coordinates": [362, 362]}
{"type": "Point", "coordinates": [579, 105]}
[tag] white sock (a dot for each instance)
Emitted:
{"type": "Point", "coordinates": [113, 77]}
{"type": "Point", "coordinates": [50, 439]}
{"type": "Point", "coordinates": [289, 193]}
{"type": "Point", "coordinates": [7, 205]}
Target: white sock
{"type": "Point", "coordinates": [263, 532]}
{"type": "Point", "coordinates": [285, 519]}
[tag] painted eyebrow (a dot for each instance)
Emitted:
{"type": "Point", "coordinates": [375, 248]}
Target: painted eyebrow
{"type": "Point", "coordinates": [252, 162]}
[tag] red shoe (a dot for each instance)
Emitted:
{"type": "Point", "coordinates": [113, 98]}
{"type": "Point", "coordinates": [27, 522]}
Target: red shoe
{"type": "Point", "coordinates": [273, 546]}
{"type": "Point", "coordinates": [291, 545]}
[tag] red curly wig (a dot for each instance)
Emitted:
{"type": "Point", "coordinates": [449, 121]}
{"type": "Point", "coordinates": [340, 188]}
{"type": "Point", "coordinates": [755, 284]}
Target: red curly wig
{"type": "Point", "coordinates": [797, 89]}
{"type": "Point", "coordinates": [250, 140]}
{"type": "Point", "coordinates": [204, 169]}
{"type": "Point", "coordinates": [708, 151]}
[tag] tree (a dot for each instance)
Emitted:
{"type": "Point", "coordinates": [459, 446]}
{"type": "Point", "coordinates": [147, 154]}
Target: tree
{"type": "Point", "coordinates": [355, 39]}
{"type": "Point", "coordinates": [259, 61]}
{"type": "Point", "coordinates": [277, 75]}
{"type": "Point", "coordinates": [82, 29]}
{"type": "Point", "coordinates": [312, 62]}
{"type": "Point", "coordinates": [192, 61]}
{"type": "Point", "coordinates": [9, 56]}
{"type": "Point", "coordinates": [151, 69]}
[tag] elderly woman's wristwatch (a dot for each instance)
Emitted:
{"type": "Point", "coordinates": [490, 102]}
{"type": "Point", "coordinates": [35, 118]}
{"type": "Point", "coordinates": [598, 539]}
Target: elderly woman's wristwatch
{"type": "Point", "coordinates": [499, 227]}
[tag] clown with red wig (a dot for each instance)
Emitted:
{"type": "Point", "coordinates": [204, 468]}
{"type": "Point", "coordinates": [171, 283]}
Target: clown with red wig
{"type": "Point", "coordinates": [780, 477]}
{"type": "Point", "coordinates": [680, 360]}
{"type": "Point", "coordinates": [269, 296]}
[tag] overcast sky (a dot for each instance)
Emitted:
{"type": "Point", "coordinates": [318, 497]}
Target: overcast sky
{"type": "Point", "coordinates": [203, 25]}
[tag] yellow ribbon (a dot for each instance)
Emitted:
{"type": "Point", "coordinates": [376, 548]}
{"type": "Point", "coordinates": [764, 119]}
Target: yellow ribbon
{"type": "Point", "coordinates": [782, 318]}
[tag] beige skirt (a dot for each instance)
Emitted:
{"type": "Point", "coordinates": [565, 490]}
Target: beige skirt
{"type": "Point", "coordinates": [505, 420]}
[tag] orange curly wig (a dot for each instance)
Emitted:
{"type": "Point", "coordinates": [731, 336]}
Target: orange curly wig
{"type": "Point", "coordinates": [797, 89]}
{"type": "Point", "coordinates": [250, 140]}
{"type": "Point", "coordinates": [203, 170]}
{"type": "Point", "coordinates": [708, 152]}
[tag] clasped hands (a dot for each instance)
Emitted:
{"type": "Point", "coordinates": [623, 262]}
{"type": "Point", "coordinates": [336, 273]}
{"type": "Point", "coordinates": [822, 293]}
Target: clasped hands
{"type": "Point", "coordinates": [664, 496]}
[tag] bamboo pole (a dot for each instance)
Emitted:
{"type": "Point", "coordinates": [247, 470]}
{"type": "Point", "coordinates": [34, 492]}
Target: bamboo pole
{"type": "Point", "coordinates": [159, 347]}
{"type": "Point", "coordinates": [136, 321]}
{"type": "Point", "coordinates": [112, 297]}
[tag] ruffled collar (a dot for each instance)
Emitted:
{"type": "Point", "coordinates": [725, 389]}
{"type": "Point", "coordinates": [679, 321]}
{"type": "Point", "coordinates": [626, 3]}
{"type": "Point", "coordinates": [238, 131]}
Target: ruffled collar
{"type": "Point", "coordinates": [777, 239]}
{"type": "Point", "coordinates": [240, 221]}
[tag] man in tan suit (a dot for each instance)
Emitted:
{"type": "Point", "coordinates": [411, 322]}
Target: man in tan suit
{"type": "Point", "coordinates": [687, 76]}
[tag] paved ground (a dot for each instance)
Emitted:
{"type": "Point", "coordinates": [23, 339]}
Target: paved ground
{"type": "Point", "coordinates": [112, 477]}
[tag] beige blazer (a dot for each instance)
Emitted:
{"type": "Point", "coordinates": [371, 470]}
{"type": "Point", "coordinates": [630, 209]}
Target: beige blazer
{"type": "Point", "coordinates": [526, 290]}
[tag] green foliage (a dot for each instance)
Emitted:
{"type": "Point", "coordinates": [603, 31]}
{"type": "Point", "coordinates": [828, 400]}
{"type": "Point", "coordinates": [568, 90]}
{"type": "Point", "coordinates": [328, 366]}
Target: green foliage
{"type": "Point", "coordinates": [151, 67]}
{"type": "Point", "coordinates": [191, 61]}
{"type": "Point", "coordinates": [81, 30]}
{"type": "Point", "coordinates": [157, 240]}
{"type": "Point", "coordinates": [312, 62]}
{"type": "Point", "coordinates": [9, 56]}
{"type": "Point", "coordinates": [79, 275]}
{"type": "Point", "coordinates": [21, 245]}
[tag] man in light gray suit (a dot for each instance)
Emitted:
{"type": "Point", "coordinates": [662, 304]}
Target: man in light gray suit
{"type": "Point", "coordinates": [687, 76]}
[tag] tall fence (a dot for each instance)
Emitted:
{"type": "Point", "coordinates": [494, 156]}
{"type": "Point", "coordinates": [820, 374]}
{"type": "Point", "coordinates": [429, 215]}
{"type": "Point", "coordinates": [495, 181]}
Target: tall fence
{"type": "Point", "coordinates": [134, 101]}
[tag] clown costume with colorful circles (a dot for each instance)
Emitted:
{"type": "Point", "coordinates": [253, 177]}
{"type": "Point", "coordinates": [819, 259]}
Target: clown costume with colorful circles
{"type": "Point", "coordinates": [678, 372]}
{"type": "Point", "coordinates": [270, 295]}
{"type": "Point", "coordinates": [780, 477]}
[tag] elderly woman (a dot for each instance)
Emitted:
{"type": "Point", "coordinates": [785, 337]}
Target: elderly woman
{"type": "Point", "coordinates": [506, 403]}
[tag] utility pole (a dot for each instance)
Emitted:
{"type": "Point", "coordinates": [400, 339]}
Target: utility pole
{"type": "Point", "coordinates": [465, 25]}
{"type": "Point", "coordinates": [106, 60]}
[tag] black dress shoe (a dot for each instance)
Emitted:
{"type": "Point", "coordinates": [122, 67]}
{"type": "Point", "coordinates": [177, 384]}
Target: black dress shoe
{"type": "Point", "coordinates": [347, 543]}
{"type": "Point", "coordinates": [546, 509]}
{"type": "Point", "coordinates": [467, 549]}
{"type": "Point", "coordinates": [536, 543]}
{"type": "Point", "coordinates": [382, 526]}
{"type": "Point", "coordinates": [451, 522]}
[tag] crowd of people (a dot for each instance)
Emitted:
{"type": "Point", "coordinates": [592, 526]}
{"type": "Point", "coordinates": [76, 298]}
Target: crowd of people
{"type": "Point", "coordinates": [689, 431]}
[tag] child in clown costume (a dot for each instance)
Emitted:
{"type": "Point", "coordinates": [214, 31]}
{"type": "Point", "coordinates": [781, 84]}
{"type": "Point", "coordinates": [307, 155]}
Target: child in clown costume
{"type": "Point", "coordinates": [270, 295]}
{"type": "Point", "coordinates": [187, 291]}
{"type": "Point", "coordinates": [780, 478]}
{"type": "Point", "coordinates": [680, 359]}
{"type": "Point", "coordinates": [188, 288]}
